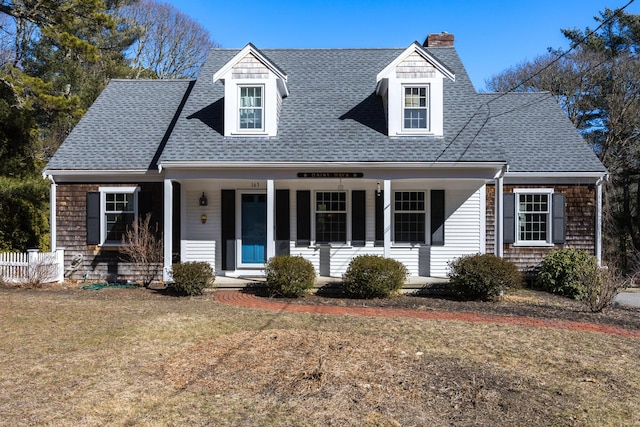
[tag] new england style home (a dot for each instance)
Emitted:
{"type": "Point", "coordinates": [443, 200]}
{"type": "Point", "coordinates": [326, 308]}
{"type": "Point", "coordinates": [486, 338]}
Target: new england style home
{"type": "Point", "coordinates": [328, 154]}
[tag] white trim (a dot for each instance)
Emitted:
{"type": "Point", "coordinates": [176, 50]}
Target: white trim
{"type": "Point", "coordinates": [427, 218]}
{"type": "Point", "coordinates": [271, 215]}
{"type": "Point", "coordinates": [53, 214]}
{"type": "Point", "coordinates": [134, 190]}
{"type": "Point", "coordinates": [168, 228]}
{"type": "Point", "coordinates": [250, 131]}
{"type": "Point", "coordinates": [598, 242]}
{"type": "Point", "coordinates": [483, 219]}
{"type": "Point", "coordinates": [417, 48]}
{"type": "Point", "coordinates": [328, 165]}
{"type": "Point", "coordinates": [523, 243]}
{"type": "Point", "coordinates": [347, 213]}
{"type": "Point", "coordinates": [387, 218]}
{"type": "Point", "coordinates": [427, 108]}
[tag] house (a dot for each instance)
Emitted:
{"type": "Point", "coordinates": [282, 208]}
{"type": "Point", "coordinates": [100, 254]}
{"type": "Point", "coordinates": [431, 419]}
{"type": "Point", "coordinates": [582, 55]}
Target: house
{"type": "Point", "coordinates": [328, 154]}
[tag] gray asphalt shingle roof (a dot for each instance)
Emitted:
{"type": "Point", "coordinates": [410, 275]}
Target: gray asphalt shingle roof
{"type": "Point", "coordinates": [331, 114]}
{"type": "Point", "coordinates": [124, 128]}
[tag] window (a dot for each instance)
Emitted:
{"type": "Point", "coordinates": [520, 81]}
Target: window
{"type": "Point", "coordinates": [331, 217]}
{"type": "Point", "coordinates": [409, 217]}
{"type": "Point", "coordinates": [251, 111]}
{"type": "Point", "coordinates": [119, 213]}
{"type": "Point", "coordinates": [533, 215]}
{"type": "Point", "coordinates": [415, 107]}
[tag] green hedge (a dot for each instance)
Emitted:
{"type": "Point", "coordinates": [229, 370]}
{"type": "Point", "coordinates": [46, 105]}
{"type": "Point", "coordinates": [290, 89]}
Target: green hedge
{"type": "Point", "coordinates": [289, 276]}
{"type": "Point", "coordinates": [373, 276]}
{"type": "Point", "coordinates": [482, 277]}
{"type": "Point", "coordinates": [191, 278]}
{"type": "Point", "coordinates": [559, 272]}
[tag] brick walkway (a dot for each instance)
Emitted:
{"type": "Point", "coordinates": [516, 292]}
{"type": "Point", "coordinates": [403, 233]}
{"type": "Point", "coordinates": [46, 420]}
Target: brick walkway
{"type": "Point", "coordinates": [241, 299]}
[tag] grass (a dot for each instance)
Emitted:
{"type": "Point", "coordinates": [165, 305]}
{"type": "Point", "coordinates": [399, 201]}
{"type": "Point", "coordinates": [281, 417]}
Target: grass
{"type": "Point", "coordinates": [134, 357]}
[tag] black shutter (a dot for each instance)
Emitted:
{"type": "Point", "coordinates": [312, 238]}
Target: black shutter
{"type": "Point", "coordinates": [379, 219]}
{"type": "Point", "coordinates": [437, 217]}
{"type": "Point", "coordinates": [558, 214]}
{"type": "Point", "coordinates": [358, 218]}
{"type": "Point", "coordinates": [282, 215]}
{"type": "Point", "coordinates": [509, 218]}
{"type": "Point", "coordinates": [283, 229]}
{"type": "Point", "coordinates": [228, 219]}
{"type": "Point", "coordinates": [303, 217]}
{"type": "Point", "coordinates": [144, 205]}
{"type": "Point", "coordinates": [93, 218]}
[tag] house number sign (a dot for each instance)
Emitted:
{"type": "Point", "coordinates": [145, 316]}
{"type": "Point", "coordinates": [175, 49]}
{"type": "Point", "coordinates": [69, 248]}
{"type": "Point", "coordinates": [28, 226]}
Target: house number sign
{"type": "Point", "coordinates": [330, 174]}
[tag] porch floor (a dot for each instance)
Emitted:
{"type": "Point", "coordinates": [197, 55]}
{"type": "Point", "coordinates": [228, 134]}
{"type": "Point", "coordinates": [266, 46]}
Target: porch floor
{"type": "Point", "coordinates": [412, 283]}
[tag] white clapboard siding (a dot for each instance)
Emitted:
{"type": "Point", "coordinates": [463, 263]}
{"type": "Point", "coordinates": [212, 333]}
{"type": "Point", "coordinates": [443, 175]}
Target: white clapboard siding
{"type": "Point", "coordinates": [462, 231]}
{"type": "Point", "coordinates": [341, 257]}
{"type": "Point", "coordinates": [199, 250]}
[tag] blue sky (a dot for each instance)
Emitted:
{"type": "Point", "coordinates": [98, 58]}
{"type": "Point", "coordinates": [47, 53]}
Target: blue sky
{"type": "Point", "coordinates": [490, 36]}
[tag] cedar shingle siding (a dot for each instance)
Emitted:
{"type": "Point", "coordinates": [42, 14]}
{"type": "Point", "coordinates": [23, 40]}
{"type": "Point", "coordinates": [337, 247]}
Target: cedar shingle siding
{"type": "Point", "coordinates": [98, 263]}
{"type": "Point", "coordinates": [580, 224]}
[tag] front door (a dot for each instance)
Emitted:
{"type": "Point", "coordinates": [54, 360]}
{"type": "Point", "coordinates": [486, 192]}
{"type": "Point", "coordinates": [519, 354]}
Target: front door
{"type": "Point", "coordinates": [254, 228]}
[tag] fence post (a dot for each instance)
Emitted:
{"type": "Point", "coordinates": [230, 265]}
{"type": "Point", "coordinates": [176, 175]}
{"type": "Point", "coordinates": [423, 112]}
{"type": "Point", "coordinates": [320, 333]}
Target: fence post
{"type": "Point", "coordinates": [32, 263]}
{"type": "Point", "coordinates": [59, 265]}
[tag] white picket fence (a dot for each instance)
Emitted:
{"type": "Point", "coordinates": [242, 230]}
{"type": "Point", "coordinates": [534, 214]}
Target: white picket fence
{"type": "Point", "coordinates": [32, 266]}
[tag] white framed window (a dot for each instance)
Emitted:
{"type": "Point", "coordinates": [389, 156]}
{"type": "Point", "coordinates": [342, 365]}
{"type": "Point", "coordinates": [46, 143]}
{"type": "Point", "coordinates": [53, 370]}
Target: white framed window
{"type": "Point", "coordinates": [415, 108]}
{"type": "Point", "coordinates": [331, 216]}
{"type": "Point", "coordinates": [251, 108]}
{"type": "Point", "coordinates": [119, 210]}
{"type": "Point", "coordinates": [533, 216]}
{"type": "Point", "coordinates": [409, 217]}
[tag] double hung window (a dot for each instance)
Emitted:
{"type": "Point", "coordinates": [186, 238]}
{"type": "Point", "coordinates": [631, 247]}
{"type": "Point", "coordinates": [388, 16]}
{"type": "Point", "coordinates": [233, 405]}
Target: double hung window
{"type": "Point", "coordinates": [119, 213]}
{"type": "Point", "coordinates": [415, 107]}
{"type": "Point", "coordinates": [409, 217]}
{"type": "Point", "coordinates": [533, 216]}
{"type": "Point", "coordinates": [331, 217]}
{"type": "Point", "coordinates": [251, 108]}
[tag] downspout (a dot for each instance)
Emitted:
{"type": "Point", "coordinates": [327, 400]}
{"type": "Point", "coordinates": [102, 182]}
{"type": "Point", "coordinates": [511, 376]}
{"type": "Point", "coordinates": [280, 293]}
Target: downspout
{"type": "Point", "coordinates": [499, 213]}
{"type": "Point", "coordinates": [598, 248]}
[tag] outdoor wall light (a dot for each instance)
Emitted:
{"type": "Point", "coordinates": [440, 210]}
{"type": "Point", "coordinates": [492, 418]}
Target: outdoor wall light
{"type": "Point", "coordinates": [378, 189]}
{"type": "Point", "coordinates": [203, 218]}
{"type": "Point", "coordinates": [203, 200]}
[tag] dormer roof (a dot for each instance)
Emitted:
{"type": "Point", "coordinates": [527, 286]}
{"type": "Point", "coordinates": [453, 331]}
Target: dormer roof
{"type": "Point", "coordinates": [414, 48]}
{"type": "Point", "coordinates": [251, 51]}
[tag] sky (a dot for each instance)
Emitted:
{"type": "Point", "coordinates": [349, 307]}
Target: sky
{"type": "Point", "coordinates": [490, 36]}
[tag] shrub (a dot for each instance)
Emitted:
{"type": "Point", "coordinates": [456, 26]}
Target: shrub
{"type": "Point", "coordinates": [142, 246]}
{"type": "Point", "coordinates": [482, 277]}
{"type": "Point", "coordinates": [289, 276]}
{"type": "Point", "coordinates": [372, 276]}
{"type": "Point", "coordinates": [191, 278]}
{"type": "Point", "coordinates": [559, 272]}
{"type": "Point", "coordinates": [602, 285]}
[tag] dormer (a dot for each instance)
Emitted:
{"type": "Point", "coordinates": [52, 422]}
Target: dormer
{"type": "Point", "coordinates": [412, 91]}
{"type": "Point", "coordinates": [254, 88]}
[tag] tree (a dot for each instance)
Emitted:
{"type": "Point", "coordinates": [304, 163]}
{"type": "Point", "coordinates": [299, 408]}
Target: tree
{"type": "Point", "coordinates": [170, 44]}
{"type": "Point", "coordinates": [597, 83]}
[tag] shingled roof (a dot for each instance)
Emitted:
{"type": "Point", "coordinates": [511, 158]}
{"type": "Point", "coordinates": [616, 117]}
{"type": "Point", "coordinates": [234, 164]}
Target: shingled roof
{"type": "Point", "coordinates": [331, 114]}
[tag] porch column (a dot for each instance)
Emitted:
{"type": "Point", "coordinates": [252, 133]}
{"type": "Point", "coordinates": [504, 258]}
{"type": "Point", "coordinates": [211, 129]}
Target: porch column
{"type": "Point", "coordinates": [53, 211]}
{"type": "Point", "coordinates": [271, 244]}
{"type": "Point", "coordinates": [387, 218]}
{"type": "Point", "coordinates": [168, 229]}
{"type": "Point", "coordinates": [598, 236]}
{"type": "Point", "coordinates": [499, 214]}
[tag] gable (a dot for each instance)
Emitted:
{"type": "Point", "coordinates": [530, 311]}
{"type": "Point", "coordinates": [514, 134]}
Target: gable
{"type": "Point", "coordinates": [415, 66]}
{"type": "Point", "coordinates": [249, 67]}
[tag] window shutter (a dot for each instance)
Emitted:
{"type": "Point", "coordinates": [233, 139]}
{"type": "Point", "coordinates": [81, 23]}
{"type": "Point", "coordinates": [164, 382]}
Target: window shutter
{"type": "Point", "coordinates": [228, 223]}
{"type": "Point", "coordinates": [509, 218]}
{"type": "Point", "coordinates": [93, 218]}
{"type": "Point", "coordinates": [358, 218]}
{"type": "Point", "coordinates": [558, 218]}
{"type": "Point", "coordinates": [379, 219]}
{"type": "Point", "coordinates": [282, 215]}
{"type": "Point", "coordinates": [303, 217]}
{"type": "Point", "coordinates": [144, 205]}
{"type": "Point", "coordinates": [437, 217]}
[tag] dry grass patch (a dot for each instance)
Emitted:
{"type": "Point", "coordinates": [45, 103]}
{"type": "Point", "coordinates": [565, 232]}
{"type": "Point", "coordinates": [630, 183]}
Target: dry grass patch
{"type": "Point", "coordinates": [135, 357]}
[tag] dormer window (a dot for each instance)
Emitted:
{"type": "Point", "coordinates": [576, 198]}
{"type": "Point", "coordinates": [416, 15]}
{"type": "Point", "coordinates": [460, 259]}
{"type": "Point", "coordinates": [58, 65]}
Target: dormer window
{"type": "Point", "coordinates": [251, 108]}
{"type": "Point", "coordinates": [416, 107]}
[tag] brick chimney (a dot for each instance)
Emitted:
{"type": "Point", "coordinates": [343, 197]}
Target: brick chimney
{"type": "Point", "coordinates": [439, 40]}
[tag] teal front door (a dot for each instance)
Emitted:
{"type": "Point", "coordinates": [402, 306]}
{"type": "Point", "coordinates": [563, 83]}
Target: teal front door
{"type": "Point", "coordinates": [254, 228]}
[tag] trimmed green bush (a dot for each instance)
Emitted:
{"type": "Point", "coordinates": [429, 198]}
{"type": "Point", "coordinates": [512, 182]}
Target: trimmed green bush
{"type": "Point", "coordinates": [289, 276]}
{"type": "Point", "coordinates": [372, 276]}
{"type": "Point", "coordinates": [191, 278]}
{"type": "Point", "coordinates": [482, 277]}
{"type": "Point", "coordinates": [559, 272]}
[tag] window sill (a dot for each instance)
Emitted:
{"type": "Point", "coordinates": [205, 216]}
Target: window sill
{"type": "Point", "coordinates": [249, 133]}
{"type": "Point", "coordinates": [533, 245]}
{"type": "Point", "coordinates": [415, 133]}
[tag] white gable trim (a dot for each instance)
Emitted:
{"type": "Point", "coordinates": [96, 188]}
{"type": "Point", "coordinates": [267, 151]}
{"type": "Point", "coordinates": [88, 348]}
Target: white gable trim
{"type": "Point", "coordinates": [222, 73]}
{"type": "Point", "coordinates": [413, 48]}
